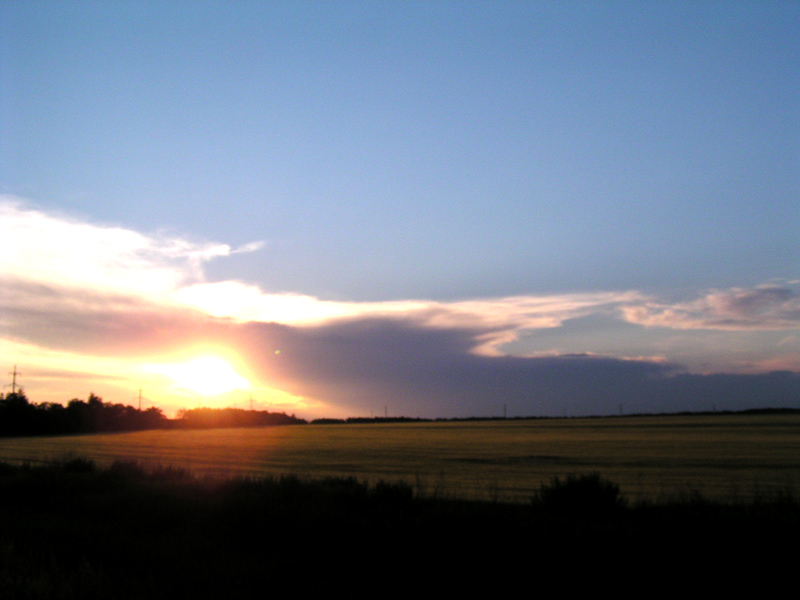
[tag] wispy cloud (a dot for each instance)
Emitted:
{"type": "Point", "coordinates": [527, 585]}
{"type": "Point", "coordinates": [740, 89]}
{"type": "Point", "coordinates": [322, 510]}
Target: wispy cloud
{"type": "Point", "coordinates": [499, 318]}
{"type": "Point", "coordinates": [766, 307]}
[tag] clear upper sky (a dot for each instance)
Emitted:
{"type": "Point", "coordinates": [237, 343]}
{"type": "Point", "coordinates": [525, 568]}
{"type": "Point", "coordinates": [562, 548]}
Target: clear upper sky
{"type": "Point", "coordinates": [605, 183]}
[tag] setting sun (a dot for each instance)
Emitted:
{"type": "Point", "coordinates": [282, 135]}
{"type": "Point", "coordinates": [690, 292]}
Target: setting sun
{"type": "Point", "coordinates": [208, 375]}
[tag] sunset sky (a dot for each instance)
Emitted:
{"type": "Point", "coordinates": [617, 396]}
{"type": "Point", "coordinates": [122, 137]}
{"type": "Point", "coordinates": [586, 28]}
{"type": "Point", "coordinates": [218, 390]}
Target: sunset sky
{"type": "Point", "coordinates": [431, 209]}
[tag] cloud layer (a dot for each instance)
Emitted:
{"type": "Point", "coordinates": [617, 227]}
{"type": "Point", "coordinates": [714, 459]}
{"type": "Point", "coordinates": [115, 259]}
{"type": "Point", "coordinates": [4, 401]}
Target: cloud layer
{"type": "Point", "coordinates": [766, 307]}
{"type": "Point", "coordinates": [98, 291]}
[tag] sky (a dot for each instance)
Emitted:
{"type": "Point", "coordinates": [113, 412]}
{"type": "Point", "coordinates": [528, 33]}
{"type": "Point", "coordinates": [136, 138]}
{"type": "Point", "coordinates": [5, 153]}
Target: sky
{"type": "Point", "coordinates": [434, 209]}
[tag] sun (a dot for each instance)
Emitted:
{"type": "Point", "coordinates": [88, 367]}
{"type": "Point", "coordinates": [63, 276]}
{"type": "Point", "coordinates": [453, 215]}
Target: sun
{"type": "Point", "coordinates": [207, 375]}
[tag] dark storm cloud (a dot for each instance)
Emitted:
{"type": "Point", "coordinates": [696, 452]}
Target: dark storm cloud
{"type": "Point", "coordinates": [366, 365]}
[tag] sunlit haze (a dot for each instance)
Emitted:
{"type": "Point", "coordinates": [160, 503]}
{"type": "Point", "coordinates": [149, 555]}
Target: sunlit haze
{"type": "Point", "coordinates": [207, 376]}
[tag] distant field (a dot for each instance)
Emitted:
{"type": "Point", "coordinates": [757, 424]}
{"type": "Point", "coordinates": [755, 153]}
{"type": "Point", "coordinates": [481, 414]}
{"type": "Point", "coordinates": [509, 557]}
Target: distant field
{"type": "Point", "coordinates": [725, 457]}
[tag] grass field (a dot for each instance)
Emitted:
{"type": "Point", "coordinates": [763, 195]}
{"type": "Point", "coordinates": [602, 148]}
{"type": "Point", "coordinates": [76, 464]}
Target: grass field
{"type": "Point", "coordinates": [721, 457]}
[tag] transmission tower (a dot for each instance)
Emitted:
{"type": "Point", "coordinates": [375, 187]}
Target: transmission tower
{"type": "Point", "coordinates": [14, 374]}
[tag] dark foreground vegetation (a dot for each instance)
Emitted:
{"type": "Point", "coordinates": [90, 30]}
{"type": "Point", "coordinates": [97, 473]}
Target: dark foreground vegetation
{"type": "Point", "coordinates": [72, 530]}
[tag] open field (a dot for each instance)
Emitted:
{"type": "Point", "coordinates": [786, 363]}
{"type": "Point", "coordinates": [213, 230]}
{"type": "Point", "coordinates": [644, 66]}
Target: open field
{"type": "Point", "coordinates": [724, 457]}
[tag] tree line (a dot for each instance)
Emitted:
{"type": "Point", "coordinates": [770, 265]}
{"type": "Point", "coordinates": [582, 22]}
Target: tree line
{"type": "Point", "coordinates": [204, 418]}
{"type": "Point", "coordinates": [20, 417]}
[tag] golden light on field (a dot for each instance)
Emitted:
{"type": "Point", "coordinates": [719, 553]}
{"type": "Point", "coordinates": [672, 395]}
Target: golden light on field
{"type": "Point", "coordinates": [207, 375]}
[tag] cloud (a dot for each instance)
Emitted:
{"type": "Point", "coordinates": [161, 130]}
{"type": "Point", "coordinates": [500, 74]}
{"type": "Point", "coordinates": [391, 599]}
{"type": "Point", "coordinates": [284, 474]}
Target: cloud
{"type": "Point", "coordinates": [87, 294]}
{"type": "Point", "coordinates": [500, 319]}
{"type": "Point", "coordinates": [766, 307]}
{"type": "Point", "coordinates": [414, 370]}
{"type": "Point", "coordinates": [62, 270]}
{"type": "Point", "coordinates": [249, 247]}
{"type": "Point", "coordinates": [75, 319]}
{"type": "Point", "coordinates": [38, 247]}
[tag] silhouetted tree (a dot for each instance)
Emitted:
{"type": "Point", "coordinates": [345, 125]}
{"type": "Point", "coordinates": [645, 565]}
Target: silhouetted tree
{"type": "Point", "coordinates": [17, 415]}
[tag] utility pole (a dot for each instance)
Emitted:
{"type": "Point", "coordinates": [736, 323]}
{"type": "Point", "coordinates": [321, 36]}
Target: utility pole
{"type": "Point", "coordinates": [14, 373]}
{"type": "Point", "coordinates": [140, 399]}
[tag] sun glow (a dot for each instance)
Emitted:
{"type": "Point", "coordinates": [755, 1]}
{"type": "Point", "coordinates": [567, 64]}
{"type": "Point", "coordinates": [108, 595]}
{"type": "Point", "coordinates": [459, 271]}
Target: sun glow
{"type": "Point", "coordinates": [207, 375]}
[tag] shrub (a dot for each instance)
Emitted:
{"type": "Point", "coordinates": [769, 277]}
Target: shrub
{"type": "Point", "coordinates": [389, 492]}
{"type": "Point", "coordinates": [77, 465]}
{"type": "Point", "coordinates": [587, 494]}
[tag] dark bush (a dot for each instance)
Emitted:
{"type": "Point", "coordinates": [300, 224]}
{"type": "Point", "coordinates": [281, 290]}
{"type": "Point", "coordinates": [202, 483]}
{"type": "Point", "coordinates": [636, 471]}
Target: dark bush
{"type": "Point", "coordinates": [78, 465]}
{"type": "Point", "coordinates": [398, 492]}
{"type": "Point", "coordinates": [587, 494]}
{"type": "Point", "coordinates": [128, 469]}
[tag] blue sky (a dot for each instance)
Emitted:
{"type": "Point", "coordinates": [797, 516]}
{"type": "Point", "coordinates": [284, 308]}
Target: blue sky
{"type": "Point", "coordinates": [604, 181]}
